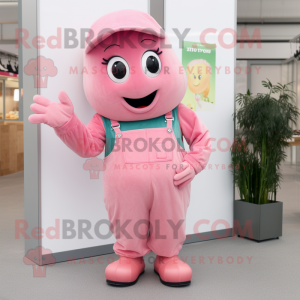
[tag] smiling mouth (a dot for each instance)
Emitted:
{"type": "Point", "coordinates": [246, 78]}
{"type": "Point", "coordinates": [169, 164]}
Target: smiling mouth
{"type": "Point", "coordinates": [141, 102]}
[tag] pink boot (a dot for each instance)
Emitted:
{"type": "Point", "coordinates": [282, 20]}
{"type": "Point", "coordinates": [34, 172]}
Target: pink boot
{"type": "Point", "coordinates": [172, 271]}
{"type": "Point", "coordinates": [125, 271]}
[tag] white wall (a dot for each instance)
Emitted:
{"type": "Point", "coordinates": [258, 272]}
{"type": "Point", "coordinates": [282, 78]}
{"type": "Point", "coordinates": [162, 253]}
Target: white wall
{"type": "Point", "coordinates": [67, 192]}
{"type": "Point", "coordinates": [212, 190]}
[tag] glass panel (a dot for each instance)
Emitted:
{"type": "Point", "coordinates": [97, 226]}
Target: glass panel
{"type": "Point", "coordinates": [287, 76]}
{"type": "Point", "coordinates": [298, 164]}
{"type": "Point", "coordinates": [241, 77]}
{"type": "Point", "coordinates": [1, 99]}
{"type": "Point", "coordinates": [11, 100]}
{"type": "Point", "coordinates": [240, 80]}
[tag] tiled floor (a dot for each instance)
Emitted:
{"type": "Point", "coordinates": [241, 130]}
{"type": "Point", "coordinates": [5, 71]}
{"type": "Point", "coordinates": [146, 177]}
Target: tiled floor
{"type": "Point", "coordinates": [272, 273]}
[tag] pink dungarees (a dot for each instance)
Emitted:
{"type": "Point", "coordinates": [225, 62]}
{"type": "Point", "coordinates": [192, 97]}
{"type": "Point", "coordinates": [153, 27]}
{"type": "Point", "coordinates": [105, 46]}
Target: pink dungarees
{"type": "Point", "coordinates": [140, 195]}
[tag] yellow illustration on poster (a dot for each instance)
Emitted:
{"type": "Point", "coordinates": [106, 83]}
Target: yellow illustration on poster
{"type": "Point", "coordinates": [199, 64]}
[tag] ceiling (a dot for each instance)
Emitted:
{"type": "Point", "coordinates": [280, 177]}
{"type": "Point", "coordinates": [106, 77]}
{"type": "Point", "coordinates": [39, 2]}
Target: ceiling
{"type": "Point", "coordinates": [247, 11]}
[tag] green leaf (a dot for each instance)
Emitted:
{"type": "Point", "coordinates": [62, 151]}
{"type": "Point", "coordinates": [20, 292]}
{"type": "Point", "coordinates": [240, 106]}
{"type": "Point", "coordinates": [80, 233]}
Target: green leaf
{"type": "Point", "coordinates": [265, 124]}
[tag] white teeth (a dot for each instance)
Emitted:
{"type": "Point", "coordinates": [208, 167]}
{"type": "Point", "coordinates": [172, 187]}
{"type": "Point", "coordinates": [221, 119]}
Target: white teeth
{"type": "Point", "coordinates": [96, 172]}
{"type": "Point", "coordinates": [41, 78]}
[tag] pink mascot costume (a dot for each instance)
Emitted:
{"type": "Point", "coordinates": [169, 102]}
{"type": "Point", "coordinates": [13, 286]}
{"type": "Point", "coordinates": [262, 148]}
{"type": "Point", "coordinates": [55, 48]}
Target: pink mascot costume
{"type": "Point", "coordinates": [135, 83]}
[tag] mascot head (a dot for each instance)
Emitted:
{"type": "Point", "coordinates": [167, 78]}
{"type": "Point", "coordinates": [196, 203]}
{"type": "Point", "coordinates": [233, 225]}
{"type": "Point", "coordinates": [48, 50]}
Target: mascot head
{"type": "Point", "coordinates": [131, 71]}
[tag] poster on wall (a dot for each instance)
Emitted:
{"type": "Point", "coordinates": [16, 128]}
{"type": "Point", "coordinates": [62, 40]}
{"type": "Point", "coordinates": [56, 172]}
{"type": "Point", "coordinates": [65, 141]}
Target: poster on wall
{"type": "Point", "coordinates": [199, 64]}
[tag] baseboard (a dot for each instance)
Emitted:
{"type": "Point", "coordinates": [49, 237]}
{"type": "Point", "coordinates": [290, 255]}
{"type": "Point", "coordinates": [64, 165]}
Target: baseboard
{"type": "Point", "coordinates": [207, 236]}
{"type": "Point", "coordinates": [108, 249]}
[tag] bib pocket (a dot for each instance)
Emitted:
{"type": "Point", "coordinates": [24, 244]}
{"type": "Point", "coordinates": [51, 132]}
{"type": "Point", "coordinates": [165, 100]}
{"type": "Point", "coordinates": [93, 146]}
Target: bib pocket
{"type": "Point", "coordinates": [162, 151]}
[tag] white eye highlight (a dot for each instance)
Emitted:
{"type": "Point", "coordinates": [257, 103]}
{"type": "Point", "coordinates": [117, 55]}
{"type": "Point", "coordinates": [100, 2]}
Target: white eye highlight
{"type": "Point", "coordinates": [151, 64]}
{"type": "Point", "coordinates": [118, 69]}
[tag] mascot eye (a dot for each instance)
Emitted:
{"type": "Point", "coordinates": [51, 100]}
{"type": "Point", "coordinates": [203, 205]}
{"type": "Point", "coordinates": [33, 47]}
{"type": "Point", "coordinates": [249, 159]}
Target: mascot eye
{"type": "Point", "coordinates": [151, 64]}
{"type": "Point", "coordinates": [199, 77]}
{"type": "Point", "coordinates": [118, 69]}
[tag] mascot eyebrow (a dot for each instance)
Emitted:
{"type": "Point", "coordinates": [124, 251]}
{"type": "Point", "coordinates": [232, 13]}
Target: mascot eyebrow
{"type": "Point", "coordinates": [148, 40]}
{"type": "Point", "coordinates": [106, 61]}
{"type": "Point", "coordinates": [112, 46]}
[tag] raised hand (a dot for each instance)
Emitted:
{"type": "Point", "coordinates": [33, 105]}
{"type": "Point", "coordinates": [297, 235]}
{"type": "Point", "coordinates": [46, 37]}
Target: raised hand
{"type": "Point", "coordinates": [185, 174]}
{"type": "Point", "coordinates": [51, 113]}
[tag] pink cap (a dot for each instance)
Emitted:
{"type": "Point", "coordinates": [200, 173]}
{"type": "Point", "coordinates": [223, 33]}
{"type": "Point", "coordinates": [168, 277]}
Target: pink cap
{"type": "Point", "coordinates": [123, 20]}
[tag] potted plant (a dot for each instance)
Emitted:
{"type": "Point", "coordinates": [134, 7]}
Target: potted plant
{"type": "Point", "coordinates": [257, 153]}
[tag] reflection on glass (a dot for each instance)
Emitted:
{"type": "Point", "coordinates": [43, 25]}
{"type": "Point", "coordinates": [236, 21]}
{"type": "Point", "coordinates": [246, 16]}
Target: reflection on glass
{"type": "Point", "coordinates": [11, 100]}
{"type": "Point", "coordinates": [1, 99]}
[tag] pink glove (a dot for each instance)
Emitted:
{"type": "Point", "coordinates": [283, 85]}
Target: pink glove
{"type": "Point", "coordinates": [51, 113]}
{"type": "Point", "coordinates": [185, 174]}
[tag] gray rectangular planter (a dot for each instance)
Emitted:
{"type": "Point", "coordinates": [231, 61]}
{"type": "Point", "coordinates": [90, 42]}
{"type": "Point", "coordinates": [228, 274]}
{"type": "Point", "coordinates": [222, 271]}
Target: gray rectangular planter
{"type": "Point", "coordinates": [265, 220]}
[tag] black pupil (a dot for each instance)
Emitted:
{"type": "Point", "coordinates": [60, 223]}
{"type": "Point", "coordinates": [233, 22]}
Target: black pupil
{"type": "Point", "coordinates": [119, 70]}
{"type": "Point", "coordinates": [152, 64]}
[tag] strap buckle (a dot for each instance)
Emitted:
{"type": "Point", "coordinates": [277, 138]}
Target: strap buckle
{"type": "Point", "coordinates": [169, 119]}
{"type": "Point", "coordinates": [113, 127]}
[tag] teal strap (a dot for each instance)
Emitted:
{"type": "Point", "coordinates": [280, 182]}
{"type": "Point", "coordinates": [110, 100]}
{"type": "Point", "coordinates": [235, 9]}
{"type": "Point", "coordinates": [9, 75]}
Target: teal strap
{"type": "Point", "coordinates": [158, 122]}
{"type": "Point", "coordinates": [176, 127]}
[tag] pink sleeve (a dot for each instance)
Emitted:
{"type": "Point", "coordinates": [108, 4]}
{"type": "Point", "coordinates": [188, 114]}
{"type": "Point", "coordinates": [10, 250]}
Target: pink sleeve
{"type": "Point", "coordinates": [86, 141]}
{"type": "Point", "coordinates": [197, 136]}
